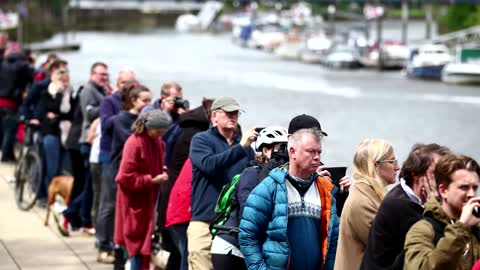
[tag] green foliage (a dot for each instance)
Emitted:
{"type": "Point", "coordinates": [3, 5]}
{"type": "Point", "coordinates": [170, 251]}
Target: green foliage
{"type": "Point", "coordinates": [56, 6]}
{"type": "Point", "coordinates": [459, 16]}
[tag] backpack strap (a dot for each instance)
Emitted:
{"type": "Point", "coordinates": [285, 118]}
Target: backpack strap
{"type": "Point", "coordinates": [438, 227]}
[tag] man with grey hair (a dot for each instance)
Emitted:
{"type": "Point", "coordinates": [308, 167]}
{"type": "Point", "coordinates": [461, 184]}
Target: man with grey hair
{"type": "Point", "coordinates": [290, 217]}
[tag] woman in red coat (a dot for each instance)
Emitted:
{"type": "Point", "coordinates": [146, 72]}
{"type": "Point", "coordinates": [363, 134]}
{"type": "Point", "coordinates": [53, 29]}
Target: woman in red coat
{"type": "Point", "coordinates": [141, 171]}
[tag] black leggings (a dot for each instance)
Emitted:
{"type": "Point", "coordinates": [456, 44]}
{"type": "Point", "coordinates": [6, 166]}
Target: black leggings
{"type": "Point", "coordinates": [228, 262]}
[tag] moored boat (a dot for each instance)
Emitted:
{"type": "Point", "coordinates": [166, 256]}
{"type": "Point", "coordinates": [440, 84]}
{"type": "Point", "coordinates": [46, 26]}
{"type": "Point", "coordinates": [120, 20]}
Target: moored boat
{"type": "Point", "coordinates": [428, 61]}
{"type": "Point", "coordinates": [466, 70]}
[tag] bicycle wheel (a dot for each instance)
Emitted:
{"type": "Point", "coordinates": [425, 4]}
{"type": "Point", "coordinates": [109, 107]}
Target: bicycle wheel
{"type": "Point", "coordinates": [29, 180]}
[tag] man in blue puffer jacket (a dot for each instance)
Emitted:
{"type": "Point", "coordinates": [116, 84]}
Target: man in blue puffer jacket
{"type": "Point", "coordinates": [290, 219]}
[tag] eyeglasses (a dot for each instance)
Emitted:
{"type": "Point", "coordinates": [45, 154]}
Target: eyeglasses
{"type": "Point", "coordinates": [391, 161]}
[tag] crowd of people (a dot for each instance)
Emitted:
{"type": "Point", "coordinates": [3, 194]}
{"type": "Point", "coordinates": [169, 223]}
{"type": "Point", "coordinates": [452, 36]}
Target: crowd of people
{"type": "Point", "coordinates": [148, 176]}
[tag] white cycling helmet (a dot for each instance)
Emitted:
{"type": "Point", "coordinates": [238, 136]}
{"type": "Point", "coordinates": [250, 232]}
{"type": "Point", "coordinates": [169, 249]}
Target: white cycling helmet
{"type": "Point", "coordinates": [271, 135]}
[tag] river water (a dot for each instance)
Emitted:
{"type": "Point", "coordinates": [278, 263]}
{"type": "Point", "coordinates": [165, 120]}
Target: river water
{"type": "Point", "coordinates": [351, 105]}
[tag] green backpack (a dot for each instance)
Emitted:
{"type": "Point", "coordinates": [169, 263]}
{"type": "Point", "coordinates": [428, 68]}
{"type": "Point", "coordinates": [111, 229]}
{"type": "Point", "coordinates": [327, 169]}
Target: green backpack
{"type": "Point", "coordinates": [224, 205]}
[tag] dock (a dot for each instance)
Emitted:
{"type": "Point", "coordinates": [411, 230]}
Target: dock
{"type": "Point", "coordinates": [143, 6]}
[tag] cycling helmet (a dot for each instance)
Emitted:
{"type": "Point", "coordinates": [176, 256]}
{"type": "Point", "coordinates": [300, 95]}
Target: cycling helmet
{"type": "Point", "coordinates": [271, 135]}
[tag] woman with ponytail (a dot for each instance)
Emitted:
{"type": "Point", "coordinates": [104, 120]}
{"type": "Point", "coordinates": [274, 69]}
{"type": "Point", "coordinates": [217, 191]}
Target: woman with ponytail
{"type": "Point", "coordinates": [138, 179]}
{"type": "Point", "coordinates": [374, 168]}
{"type": "Point", "coordinates": [134, 98]}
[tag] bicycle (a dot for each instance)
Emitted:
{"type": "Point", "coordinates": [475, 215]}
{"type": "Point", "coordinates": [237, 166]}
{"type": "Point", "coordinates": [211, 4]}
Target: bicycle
{"type": "Point", "coordinates": [28, 171]}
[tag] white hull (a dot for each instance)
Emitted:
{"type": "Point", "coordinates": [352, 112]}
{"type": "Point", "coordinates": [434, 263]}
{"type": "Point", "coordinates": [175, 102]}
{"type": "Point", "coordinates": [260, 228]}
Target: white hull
{"type": "Point", "coordinates": [461, 73]}
{"type": "Point", "coordinates": [461, 78]}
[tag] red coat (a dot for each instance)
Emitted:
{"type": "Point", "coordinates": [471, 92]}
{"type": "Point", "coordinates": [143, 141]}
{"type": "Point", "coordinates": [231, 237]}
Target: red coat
{"type": "Point", "coordinates": [476, 266]}
{"type": "Point", "coordinates": [142, 159]}
{"type": "Point", "coordinates": [178, 210]}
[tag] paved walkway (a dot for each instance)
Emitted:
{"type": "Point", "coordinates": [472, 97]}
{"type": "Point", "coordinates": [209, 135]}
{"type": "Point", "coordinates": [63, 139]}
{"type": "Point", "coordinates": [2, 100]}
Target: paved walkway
{"type": "Point", "coordinates": [25, 243]}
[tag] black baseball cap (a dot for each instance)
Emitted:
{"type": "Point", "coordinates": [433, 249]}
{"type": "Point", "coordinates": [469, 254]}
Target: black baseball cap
{"type": "Point", "coordinates": [304, 121]}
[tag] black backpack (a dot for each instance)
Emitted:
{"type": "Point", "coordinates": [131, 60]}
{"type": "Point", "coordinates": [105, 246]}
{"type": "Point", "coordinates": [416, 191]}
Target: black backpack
{"type": "Point", "coordinates": [438, 227]}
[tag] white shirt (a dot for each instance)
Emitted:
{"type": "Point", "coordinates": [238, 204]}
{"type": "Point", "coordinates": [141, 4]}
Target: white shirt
{"type": "Point", "coordinates": [410, 192]}
{"type": "Point", "coordinates": [95, 150]}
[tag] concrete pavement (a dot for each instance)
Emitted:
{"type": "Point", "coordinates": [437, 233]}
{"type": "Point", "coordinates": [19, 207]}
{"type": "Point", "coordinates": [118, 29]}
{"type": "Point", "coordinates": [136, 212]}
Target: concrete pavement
{"type": "Point", "coordinates": [25, 243]}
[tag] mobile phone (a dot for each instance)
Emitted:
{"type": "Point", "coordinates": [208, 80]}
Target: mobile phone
{"type": "Point", "coordinates": [476, 212]}
{"type": "Point", "coordinates": [258, 129]}
{"type": "Point", "coordinates": [336, 173]}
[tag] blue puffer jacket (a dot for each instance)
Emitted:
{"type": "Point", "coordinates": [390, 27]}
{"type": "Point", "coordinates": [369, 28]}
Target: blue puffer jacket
{"type": "Point", "coordinates": [263, 228]}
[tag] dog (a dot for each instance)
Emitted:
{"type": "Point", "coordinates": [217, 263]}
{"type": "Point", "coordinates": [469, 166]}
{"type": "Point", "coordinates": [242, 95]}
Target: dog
{"type": "Point", "coordinates": [62, 185]}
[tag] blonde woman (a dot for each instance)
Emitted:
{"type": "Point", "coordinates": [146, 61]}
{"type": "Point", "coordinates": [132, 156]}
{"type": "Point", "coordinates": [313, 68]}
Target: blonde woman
{"type": "Point", "coordinates": [374, 167]}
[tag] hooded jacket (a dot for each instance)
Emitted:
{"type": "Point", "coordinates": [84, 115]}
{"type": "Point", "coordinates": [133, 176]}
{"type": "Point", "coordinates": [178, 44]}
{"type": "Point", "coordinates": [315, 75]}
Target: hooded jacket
{"type": "Point", "coordinates": [458, 249]}
{"type": "Point", "coordinates": [263, 229]}
{"type": "Point", "coordinates": [191, 123]}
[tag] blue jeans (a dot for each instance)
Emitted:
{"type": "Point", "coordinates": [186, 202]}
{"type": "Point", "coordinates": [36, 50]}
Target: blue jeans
{"type": "Point", "coordinates": [106, 210]}
{"type": "Point", "coordinates": [82, 205]}
{"type": "Point", "coordinates": [136, 262]}
{"type": "Point", "coordinates": [52, 153]}
{"type": "Point", "coordinates": [8, 125]}
{"type": "Point", "coordinates": [178, 233]}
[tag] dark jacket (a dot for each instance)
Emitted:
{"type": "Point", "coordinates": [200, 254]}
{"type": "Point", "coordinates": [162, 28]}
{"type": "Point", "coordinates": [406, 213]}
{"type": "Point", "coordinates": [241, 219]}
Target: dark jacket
{"type": "Point", "coordinates": [50, 104]}
{"type": "Point", "coordinates": [170, 137]}
{"type": "Point", "coordinates": [15, 75]}
{"type": "Point", "coordinates": [121, 130]}
{"type": "Point", "coordinates": [249, 179]}
{"type": "Point", "coordinates": [215, 162]}
{"type": "Point", "coordinates": [77, 120]}
{"type": "Point", "coordinates": [188, 125]}
{"type": "Point", "coordinates": [34, 95]}
{"type": "Point", "coordinates": [397, 213]}
{"type": "Point", "coordinates": [109, 107]}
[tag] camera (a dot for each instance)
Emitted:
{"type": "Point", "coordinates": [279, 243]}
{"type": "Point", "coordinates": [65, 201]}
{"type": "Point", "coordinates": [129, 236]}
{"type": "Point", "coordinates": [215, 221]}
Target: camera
{"type": "Point", "coordinates": [179, 102]}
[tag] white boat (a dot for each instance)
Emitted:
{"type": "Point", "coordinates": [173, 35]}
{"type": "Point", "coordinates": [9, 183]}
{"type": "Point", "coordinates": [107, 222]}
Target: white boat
{"type": "Point", "coordinates": [428, 61]}
{"type": "Point", "coordinates": [201, 22]}
{"type": "Point", "coordinates": [394, 55]}
{"type": "Point", "coordinates": [467, 68]}
{"type": "Point", "coordinates": [290, 49]}
{"type": "Point", "coordinates": [461, 73]}
{"type": "Point", "coordinates": [267, 37]}
{"type": "Point", "coordinates": [315, 48]}
{"type": "Point", "coordinates": [8, 20]}
{"type": "Point", "coordinates": [342, 56]}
